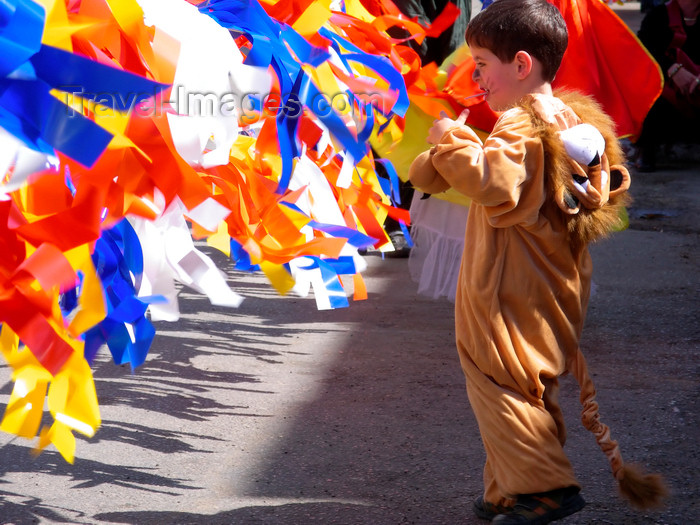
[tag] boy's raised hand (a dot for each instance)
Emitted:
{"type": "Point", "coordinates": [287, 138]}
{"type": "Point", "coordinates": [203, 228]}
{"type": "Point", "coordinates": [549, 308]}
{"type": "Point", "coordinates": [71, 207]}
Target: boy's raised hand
{"type": "Point", "coordinates": [441, 125]}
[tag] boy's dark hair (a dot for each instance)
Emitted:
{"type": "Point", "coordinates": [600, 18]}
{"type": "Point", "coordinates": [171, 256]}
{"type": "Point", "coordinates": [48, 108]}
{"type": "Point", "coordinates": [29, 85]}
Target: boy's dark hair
{"type": "Point", "coordinates": [508, 26]}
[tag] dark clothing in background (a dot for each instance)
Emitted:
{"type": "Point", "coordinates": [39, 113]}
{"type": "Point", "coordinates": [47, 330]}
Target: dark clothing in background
{"type": "Point", "coordinates": [437, 49]}
{"type": "Point", "coordinates": [645, 5]}
{"type": "Point", "coordinates": [656, 35]}
{"type": "Point", "coordinates": [666, 124]}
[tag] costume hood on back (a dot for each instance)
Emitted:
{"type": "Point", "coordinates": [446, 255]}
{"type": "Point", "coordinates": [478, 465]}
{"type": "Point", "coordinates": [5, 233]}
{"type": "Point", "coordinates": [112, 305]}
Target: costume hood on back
{"type": "Point", "coordinates": [593, 180]}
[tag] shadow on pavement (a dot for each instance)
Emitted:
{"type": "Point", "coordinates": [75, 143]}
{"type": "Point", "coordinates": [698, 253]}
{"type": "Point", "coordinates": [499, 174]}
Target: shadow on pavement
{"type": "Point", "coordinates": [283, 514]}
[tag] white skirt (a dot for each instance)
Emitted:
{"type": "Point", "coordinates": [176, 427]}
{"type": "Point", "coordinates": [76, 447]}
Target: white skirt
{"type": "Point", "coordinates": [437, 230]}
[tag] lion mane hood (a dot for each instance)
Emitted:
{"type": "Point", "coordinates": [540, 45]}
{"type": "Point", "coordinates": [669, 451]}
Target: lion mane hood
{"type": "Point", "coordinates": [586, 175]}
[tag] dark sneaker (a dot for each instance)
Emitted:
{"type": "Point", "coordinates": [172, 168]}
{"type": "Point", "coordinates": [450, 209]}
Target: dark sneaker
{"type": "Point", "coordinates": [401, 247]}
{"type": "Point", "coordinates": [538, 509]}
{"type": "Point", "coordinates": [488, 511]}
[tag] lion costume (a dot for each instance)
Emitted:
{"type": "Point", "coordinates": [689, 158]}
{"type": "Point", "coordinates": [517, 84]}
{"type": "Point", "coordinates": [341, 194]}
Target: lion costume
{"type": "Point", "coordinates": [542, 187]}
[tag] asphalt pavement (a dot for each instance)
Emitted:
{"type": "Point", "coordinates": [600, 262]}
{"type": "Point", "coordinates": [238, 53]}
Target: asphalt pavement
{"type": "Point", "coordinates": [277, 413]}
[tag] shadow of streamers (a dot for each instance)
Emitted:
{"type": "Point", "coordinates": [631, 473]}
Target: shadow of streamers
{"type": "Point", "coordinates": [197, 364]}
{"type": "Point", "coordinates": [207, 367]}
{"type": "Point", "coordinates": [180, 391]}
{"type": "Point", "coordinates": [283, 514]}
{"type": "Point", "coordinates": [20, 508]}
{"type": "Point", "coordinates": [390, 426]}
{"type": "Point", "coordinates": [149, 437]}
{"type": "Point", "coordinates": [27, 509]}
{"type": "Point", "coordinates": [389, 430]}
{"type": "Point", "coordinates": [86, 473]}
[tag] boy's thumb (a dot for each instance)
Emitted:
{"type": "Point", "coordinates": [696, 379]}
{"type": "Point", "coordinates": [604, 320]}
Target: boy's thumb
{"type": "Point", "coordinates": [463, 116]}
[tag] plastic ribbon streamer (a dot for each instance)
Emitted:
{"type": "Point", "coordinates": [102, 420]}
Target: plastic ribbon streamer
{"type": "Point", "coordinates": [133, 132]}
{"type": "Point", "coordinates": [31, 70]}
{"type": "Point", "coordinates": [125, 329]}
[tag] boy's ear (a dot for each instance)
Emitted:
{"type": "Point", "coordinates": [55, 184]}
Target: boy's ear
{"type": "Point", "coordinates": [523, 62]}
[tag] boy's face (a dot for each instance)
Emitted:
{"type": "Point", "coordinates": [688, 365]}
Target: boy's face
{"type": "Point", "coordinates": [498, 79]}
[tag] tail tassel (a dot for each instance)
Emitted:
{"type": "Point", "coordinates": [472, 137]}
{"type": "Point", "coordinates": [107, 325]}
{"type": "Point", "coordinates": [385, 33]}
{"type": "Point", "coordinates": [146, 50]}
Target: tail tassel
{"type": "Point", "coordinates": [641, 489]}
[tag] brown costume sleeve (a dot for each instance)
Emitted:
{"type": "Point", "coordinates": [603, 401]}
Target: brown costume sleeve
{"type": "Point", "coordinates": [424, 176]}
{"type": "Point", "coordinates": [494, 173]}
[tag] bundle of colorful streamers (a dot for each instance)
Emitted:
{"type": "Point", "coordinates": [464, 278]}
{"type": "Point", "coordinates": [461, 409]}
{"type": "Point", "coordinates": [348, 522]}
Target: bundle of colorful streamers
{"type": "Point", "coordinates": [132, 130]}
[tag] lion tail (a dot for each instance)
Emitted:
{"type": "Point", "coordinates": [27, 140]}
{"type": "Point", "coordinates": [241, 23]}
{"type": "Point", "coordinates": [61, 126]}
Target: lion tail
{"type": "Point", "coordinates": [641, 489]}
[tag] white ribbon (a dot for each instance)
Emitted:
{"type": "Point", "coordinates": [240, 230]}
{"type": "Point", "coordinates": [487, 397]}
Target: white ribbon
{"type": "Point", "coordinates": [169, 255]}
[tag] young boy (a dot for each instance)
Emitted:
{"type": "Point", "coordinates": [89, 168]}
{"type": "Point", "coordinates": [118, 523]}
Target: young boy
{"type": "Point", "coordinates": [546, 181]}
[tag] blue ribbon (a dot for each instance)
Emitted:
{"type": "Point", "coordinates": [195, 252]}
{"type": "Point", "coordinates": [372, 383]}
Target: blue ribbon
{"type": "Point", "coordinates": [406, 234]}
{"type": "Point", "coordinates": [21, 28]}
{"type": "Point", "coordinates": [358, 149]}
{"type": "Point", "coordinates": [393, 180]}
{"type": "Point", "coordinates": [118, 256]}
{"type": "Point", "coordinates": [386, 70]}
{"type": "Point", "coordinates": [43, 123]}
{"type": "Point", "coordinates": [380, 64]}
{"type": "Point", "coordinates": [271, 43]}
{"type": "Point", "coordinates": [30, 70]}
{"type": "Point", "coordinates": [331, 282]}
{"type": "Point", "coordinates": [342, 265]}
{"type": "Point", "coordinates": [241, 258]}
{"type": "Point", "coordinates": [354, 237]}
